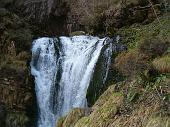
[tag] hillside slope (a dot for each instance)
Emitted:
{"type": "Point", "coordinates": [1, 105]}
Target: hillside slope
{"type": "Point", "coordinates": [143, 98]}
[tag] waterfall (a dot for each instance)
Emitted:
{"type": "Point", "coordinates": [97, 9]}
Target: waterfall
{"type": "Point", "coordinates": [63, 69]}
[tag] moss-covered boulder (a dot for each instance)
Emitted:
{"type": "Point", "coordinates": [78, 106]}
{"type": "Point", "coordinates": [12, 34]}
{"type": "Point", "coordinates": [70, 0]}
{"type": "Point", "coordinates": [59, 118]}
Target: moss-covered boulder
{"type": "Point", "coordinates": [71, 119]}
{"type": "Point", "coordinates": [102, 115]}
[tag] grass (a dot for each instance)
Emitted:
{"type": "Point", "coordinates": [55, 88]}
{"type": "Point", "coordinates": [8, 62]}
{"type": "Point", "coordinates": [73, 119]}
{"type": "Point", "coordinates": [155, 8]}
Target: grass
{"type": "Point", "coordinates": [12, 62]}
{"type": "Point", "coordinates": [137, 33]}
{"type": "Point", "coordinates": [162, 64]}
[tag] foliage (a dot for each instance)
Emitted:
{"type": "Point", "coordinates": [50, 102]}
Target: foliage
{"type": "Point", "coordinates": [130, 63]}
{"type": "Point", "coordinates": [132, 95]}
{"type": "Point", "coordinates": [153, 47]}
{"type": "Point", "coordinates": [162, 64]}
{"type": "Point", "coordinates": [16, 120]}
{"type": "Point", "coordinates": [134, 35]}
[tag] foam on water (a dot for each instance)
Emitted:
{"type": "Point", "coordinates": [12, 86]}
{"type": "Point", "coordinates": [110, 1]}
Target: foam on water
{"type": "Point", "coordinates": [63, 74]}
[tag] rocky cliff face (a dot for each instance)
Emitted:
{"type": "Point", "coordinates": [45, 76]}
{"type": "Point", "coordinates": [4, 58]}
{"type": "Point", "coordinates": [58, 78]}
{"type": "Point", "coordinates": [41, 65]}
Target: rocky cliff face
{"type": "Point", "coordinates": [94, 17]}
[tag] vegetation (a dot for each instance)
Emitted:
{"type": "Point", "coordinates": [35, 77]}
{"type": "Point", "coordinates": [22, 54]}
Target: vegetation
{"type": "Point", "coordinates": [134, 35]}
{"type": "Point", "coordinates": [162, 64]}
{"type": "Point", "coordinates": [131, 63]}
{"type": "Point", "coordinates": [16, 120]}
{"type": "Point", "coordinates": [143, 98]}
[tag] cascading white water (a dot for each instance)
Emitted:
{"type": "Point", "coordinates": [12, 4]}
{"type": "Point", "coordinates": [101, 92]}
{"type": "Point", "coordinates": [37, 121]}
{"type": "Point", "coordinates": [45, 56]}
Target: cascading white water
{"type": "Point", "coordinates": [44, 68]}
{"type": "Point", "coordinates": [63, 70]}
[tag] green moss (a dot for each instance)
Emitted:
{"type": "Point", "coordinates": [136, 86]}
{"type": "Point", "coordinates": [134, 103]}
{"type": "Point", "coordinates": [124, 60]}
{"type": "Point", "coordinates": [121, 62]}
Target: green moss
{"type": "Point", "coordinates": [104, 97]}
{"type": "Point", "coordinates": [71, 119]}
{"type": "Point", "coordinates": [135, 34]}
{"type": "Point", "coordinates": [104, 112]}
{"type": "Point", "coordinates": [83, 122]}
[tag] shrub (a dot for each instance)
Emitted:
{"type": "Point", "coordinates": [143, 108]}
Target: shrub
{"type": "Point", "coordinates": [162, 64]}
{"type": "Point", "coordinates": [16, 120]}
{"type": "Point", "coordinates": [130, 63]}
{"type": "Point", "coordinates": [153, 47]}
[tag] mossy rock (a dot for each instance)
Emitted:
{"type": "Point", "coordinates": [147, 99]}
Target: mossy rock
{"type": "Point", "coordinates": [71, 119]}
{"type": "Point", "coordinates": [104, 97]}
{"type": "Point", "coordinates": [101, 115]}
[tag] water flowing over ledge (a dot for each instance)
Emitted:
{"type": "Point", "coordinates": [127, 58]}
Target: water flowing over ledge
{"type": "Point", "coordinates": [63, 69]}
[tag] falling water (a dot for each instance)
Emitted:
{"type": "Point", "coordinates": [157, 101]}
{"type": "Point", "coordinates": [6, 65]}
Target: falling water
{"type": "Point", "coordinates": [63, 69]}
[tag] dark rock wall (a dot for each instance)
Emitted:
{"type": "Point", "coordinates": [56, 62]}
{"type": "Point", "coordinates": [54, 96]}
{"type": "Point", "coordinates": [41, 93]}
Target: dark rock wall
{"type": "Point", "coordinates": [62, 17]}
